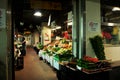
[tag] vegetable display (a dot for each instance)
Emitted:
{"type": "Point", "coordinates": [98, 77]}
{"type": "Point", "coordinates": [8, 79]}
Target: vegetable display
{"type": "Point", "coordinates": [40, 46]}
{"type": "Point", "coordinates": [98, 47]}
{"type": "Point", "coordinates": [92, 63]}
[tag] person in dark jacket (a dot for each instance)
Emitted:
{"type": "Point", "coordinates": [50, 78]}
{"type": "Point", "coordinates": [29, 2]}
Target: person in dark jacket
{"type": "Point", "coordinates": [23, 51]}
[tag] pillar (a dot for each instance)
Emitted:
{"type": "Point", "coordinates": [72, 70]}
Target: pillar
{"type": "Point", "coordinates": [85, 13]}
{"type": "Point", "coordinates": [6, 53]}
{"type": "Point", "coordinates": [78, 29]}
{"type": "Point", "coordinates": [93, 23]}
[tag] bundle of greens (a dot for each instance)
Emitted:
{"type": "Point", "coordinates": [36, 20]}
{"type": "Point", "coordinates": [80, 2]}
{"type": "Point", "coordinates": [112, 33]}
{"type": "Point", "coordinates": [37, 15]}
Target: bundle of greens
{"type": "Point", "coordinates": [40, 46]}
{"type": "Point", "coordinates": [98, 47]}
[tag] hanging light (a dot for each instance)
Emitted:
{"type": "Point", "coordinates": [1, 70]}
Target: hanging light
{"type": "Point", "coordinates": [111, 24]}
{"type": "Point", "coordinates": [70, 23]}
{"type": "Point", "coordinates": [58, 27]}
{"type": "Point", "coordinates": [21, 23]}
{"type": "Point", "coordinates": [38, 14]}
{"type": "Point", "coordinates": [49, 20]}
{"type": "Point", "coordinates": [116, 9]}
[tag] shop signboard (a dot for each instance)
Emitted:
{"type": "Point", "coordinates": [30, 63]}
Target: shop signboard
{"type": "Point", "coordinates": [46, 33]}
{"type": "Point", "coordinates": [49, 5]}
{"type": "Point", "coordinates": [93, 26]}
{"type": "Point", "coordinates": [2, 18]}
{"type": "Point", "coordinates": [46, 37]}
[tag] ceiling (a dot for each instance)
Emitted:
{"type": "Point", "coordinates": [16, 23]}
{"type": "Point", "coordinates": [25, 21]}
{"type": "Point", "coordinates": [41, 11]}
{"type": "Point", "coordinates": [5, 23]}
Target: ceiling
{"type": "Point", "coordinates": [107, 14]}
{"type": "Point", "coordinates": [23, 12]}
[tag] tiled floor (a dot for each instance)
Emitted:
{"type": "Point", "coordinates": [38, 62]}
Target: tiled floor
{"type": "Point", "coordinates": [34, 69]}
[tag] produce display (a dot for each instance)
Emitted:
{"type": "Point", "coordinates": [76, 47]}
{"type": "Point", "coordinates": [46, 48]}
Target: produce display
{"type": "Point", "coordinates": [55, 49]}
{"type": "Point", "coordinates": [63, 55]}
{"type": "Point", "coordinates": [40, 46]}
{"type": "Point", "coordinates": [87, 63]}
{"type": "Point", "coordinates": [90, 59]}
{"type": "Point", "coordinates": [60, 50]}
{"type": "Point", "coordinates": [92, 63]}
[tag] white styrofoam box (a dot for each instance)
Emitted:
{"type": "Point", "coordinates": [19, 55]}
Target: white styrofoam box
{"type": "Point", "coordinates": [43, 56]}
{"type": "Point", "coordinates": [47, 57]}
{"type": "Point", "coordinates": [56, 64]}
{"type": "Point", "coordinates": [51, 60]}
{"type": "Point", "coordinates": [78, 67]}
{"type": "Point", "coordinates": [40, 53]}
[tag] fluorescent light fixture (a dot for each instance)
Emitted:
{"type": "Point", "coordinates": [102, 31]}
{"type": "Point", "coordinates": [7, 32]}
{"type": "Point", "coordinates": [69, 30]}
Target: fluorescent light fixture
{"type": "Point", "coordinates": [49, 20]}
{"type": "Point", "coordinates": [111, 24]}
{"type": "Point", "coordinates": [53, 29]}
{"type": "Point", "coordinates": [38, 14]}
{"type": "Point", "coordinates": [58, 27]}
{"type": "Point", "coordinates": [70, 23]}
{"type": "Point", "coordinates": [21, 23]}
{"type": "Point", "coordinates": [116, 9]}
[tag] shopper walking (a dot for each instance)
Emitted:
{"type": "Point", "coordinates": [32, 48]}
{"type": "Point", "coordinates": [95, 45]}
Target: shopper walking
{"type": "Point", "coordinates": [23, 51]}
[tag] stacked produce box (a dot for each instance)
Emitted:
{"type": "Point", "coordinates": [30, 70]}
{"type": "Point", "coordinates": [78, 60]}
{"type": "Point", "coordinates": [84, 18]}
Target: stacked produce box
{"type": "Point", "coordinates": [56, 52]}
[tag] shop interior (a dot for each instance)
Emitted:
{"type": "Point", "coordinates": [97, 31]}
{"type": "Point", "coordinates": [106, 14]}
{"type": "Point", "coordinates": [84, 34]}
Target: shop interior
{"type": "Point", "coordinates": [49, 41]}
{"type": "Point", "coordinates": [47, 29]}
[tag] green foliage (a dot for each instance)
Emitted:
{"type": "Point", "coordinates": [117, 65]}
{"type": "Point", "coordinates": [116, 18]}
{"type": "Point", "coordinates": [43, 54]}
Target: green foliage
{"type": "Point", "coordinates": [64, 41]}
{"type": "Point", "coordinates": [56, 49]}
{"type": "Point", "coordinates": [44, 52]}
{"type": "Point", "coordinates": [86, 64]}
{"type": "Point", "coordinates": [40, 46]}
{"type": "Point", "coordinates": [98, 47]}
{"type": "Point", "coordinates": [63, 57]}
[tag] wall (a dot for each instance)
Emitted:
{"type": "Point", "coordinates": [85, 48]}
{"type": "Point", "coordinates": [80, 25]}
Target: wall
{"type": "Point", "coordinates": [46, 35]}
{"type": "Point", "coordinates": [93, 16]}
{"type": "Point", "coordinates": [112, 53]}
{"type": "Point", "coordinates": [36, 37]}
{"type": "Point", "coordinates": [28, 40]}
{"type": "Point", "coordinates": [93, 23]}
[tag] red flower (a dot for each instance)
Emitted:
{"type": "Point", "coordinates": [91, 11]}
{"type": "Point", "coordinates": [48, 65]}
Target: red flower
{"type": "Point", "coordinates": [106, 35]}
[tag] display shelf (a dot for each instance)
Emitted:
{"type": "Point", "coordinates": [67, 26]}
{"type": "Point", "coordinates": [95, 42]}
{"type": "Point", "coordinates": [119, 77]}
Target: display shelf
{"type": "Point", "coordinates": [92, 71]}
{"type": "Point", "coordinates": [88, 71]}
{"type": "Point", "coordinates": [71, 68]}
{"type": "Point", "coordinates": [40, 53]}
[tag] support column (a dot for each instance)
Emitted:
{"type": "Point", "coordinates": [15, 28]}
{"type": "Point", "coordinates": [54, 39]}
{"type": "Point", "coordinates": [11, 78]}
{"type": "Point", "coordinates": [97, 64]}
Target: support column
{"type": "Point", "coordinates": [78, 28]}
{"type": "Point", "coordinates": [6, 53]}
{"type": "Point", "coordinates": [93, 23]}
{"type": "Point", "coordinates": [74, 33]}
{"type": "Point", "coordinates": [85, 13]}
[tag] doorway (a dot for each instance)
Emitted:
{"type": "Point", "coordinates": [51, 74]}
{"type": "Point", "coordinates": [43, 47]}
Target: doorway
{"type": "Point", "coordinates": [30, 26]}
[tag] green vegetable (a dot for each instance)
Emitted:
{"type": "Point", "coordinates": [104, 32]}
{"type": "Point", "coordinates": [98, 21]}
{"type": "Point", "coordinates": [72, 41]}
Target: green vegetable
{"type": "Point", "coordinates": [40, 46]}
{"type": "Point", "coordinates": [98, 47]}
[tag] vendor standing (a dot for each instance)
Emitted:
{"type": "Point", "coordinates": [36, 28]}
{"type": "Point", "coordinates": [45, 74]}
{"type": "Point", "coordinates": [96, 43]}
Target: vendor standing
{"type": "Point", "coordinates": [23, 51]}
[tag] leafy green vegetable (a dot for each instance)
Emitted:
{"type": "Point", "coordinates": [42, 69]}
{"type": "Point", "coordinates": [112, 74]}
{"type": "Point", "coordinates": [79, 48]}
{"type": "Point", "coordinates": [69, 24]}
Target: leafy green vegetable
{"type": "Point", "coordinates": [98, 47]}
{"type": "Point", "coordinates": [40, 46]}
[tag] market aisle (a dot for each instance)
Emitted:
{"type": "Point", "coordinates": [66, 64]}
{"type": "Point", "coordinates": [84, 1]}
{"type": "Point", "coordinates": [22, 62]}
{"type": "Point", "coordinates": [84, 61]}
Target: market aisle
{"type": "Point", "coordinates": [34, 69]}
